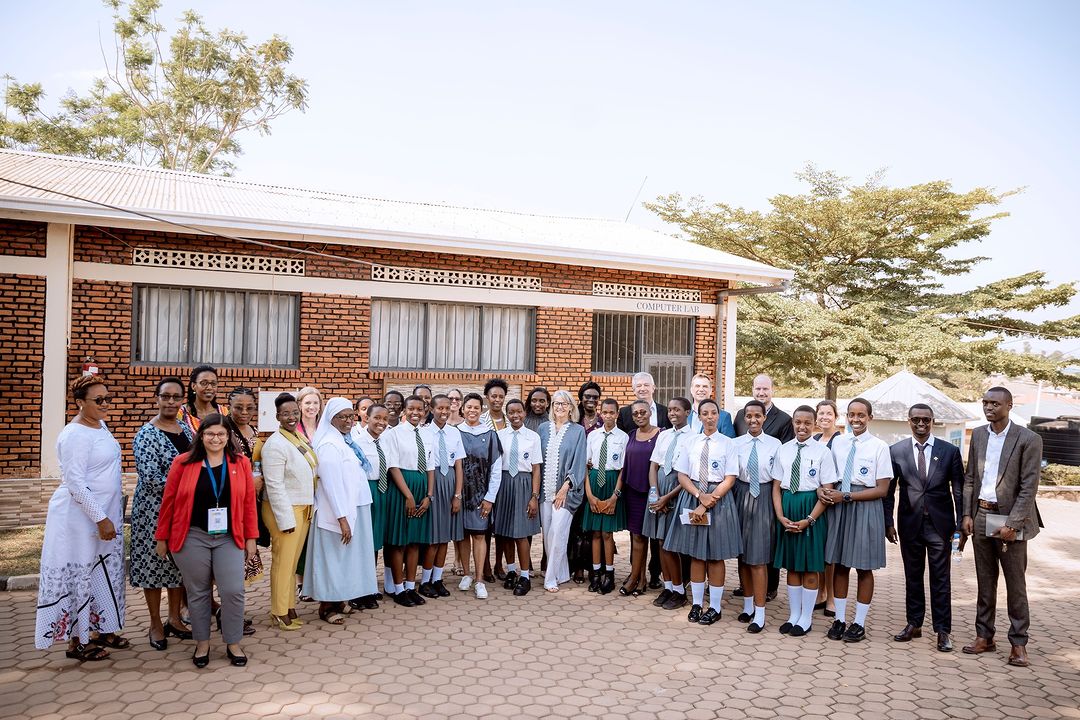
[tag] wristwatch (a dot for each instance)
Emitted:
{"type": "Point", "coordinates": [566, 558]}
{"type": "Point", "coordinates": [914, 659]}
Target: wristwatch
{"type": "Point", "coordinates": [810, 519]}
{"type": "Point", "coordinates": [618, 493]}
{"type": "Point", "coordinates": [458, 496]}
{"type": "Point", "coordinates": [431, 497]}
{"type": "Point", "coordinates": [536, 496]}
{"type": "Point", "coordinates": [847, 497]}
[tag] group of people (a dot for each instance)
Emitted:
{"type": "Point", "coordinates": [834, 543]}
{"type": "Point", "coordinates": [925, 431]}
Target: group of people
{"type": "Point", "coordinates": [340, 480]}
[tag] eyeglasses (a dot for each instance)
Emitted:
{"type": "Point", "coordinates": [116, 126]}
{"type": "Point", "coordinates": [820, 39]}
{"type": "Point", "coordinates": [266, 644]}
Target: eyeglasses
{"type": "Point", "coordinates": [207, 383]}
{"type": "Point", "coordinates": [591, 396]}
{"type": "Point", "coordinates": [640, 413]}
{"type": "Point", "coordinates": [99, 401]}
{"type": "Point", "coordinates": [171, 398]}
{"type": "Point", "coordinates": [560, 403]}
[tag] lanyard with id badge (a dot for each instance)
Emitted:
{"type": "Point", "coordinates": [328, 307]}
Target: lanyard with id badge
{"type": "Point", "coordinates": [217, 519]}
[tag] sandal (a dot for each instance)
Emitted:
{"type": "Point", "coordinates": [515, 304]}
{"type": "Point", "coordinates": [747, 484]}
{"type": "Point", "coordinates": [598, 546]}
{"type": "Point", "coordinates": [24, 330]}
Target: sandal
{"type": "Point", "coordinates": [111, 640]}
{"type": "Point", "coordinates": [552, 589]}
{"type": "Point", "coordinates": [84, 653]}
{"type": "Point", "coordinates": [332, 616]}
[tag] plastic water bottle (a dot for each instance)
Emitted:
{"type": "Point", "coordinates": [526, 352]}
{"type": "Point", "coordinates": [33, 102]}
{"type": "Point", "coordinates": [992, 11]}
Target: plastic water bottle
{"type": "Point", "coordinates": [256, 469]}
{"type": "Point", "coordinates": [654, 496]}
{"type": "Point", "coordinates": [957, 554]}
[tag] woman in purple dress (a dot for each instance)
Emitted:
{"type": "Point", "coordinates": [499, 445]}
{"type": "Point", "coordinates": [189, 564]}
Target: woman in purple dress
{"type": "Point", "coordinates": [636, 493]}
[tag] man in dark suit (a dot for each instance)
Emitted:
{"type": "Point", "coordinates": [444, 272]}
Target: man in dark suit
{"type": "Point", "coordinates": [1002, 479]}
{"type": "Point", "coordinates": [644, 389]}
{"type": "Point", "coordinates": [930, 476]}
{"type": "Point", "coordinates": [777, 424]}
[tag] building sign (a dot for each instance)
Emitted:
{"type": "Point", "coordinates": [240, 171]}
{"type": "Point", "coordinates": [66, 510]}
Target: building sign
{"type": "Point", "coordinates": [668, 308]}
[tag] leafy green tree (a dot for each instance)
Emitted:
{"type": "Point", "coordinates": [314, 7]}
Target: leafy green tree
{"type": "Point", "coordinates": [179, 102]}
{"type": "Point", "coordinates": [868, 293]}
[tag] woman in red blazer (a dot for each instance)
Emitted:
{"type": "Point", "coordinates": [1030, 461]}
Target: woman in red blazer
{"type": "Point", "coordinates": [208, 523]}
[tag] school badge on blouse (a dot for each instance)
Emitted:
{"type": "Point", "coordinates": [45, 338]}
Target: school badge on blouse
{"type": "Point", "coordinates": [715, 464]}
{"type": "Point", "coordinates": [614, 456]}
{"type": "Point", "coordinates": [813, 472]}
{"type": "Point", "coordinates": [864, 471]}
{"type": "Point", "coordinates": [525, 455]}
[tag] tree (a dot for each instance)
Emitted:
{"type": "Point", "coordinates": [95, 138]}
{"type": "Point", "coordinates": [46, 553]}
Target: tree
{"type": "Point", "coordinates": [179, 102]}
{"type": "Point", "coordinates": [868, 293]}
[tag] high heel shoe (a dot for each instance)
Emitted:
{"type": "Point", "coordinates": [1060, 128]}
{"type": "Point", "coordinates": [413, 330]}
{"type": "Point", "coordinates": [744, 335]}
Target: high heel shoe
{"type": "Point", "coordinates": [236, 660]}
{"type": "Point", "coordinates": [281, 624]}
{"type": "Point", "coordinates": [200, 661]}
{"type": "Point", "coordinates": [176, 632]}
{"type": "Point", "coordinates": [162, 644]}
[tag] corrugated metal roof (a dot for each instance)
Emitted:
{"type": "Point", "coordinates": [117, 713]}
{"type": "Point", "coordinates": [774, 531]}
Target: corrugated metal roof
{"type": "Point", "coordinates": [893, 396]}
{"type": "Point", "coordinates": [215, 202]}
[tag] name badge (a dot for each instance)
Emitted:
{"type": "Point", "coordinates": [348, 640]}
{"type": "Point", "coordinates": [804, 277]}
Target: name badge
{"type": "Point", "coordinates": [217, 521]}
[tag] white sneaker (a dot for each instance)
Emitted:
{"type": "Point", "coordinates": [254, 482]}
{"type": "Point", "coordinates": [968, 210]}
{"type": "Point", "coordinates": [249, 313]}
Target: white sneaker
{"type": "Point", "coordinates": [465, 584]}
{"type": "Point", "coordinates": [481, 591]}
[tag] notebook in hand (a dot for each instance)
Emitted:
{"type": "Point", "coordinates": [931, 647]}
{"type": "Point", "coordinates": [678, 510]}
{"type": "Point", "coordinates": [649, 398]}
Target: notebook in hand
{"type": "Point", "coordinates": [994, 523]}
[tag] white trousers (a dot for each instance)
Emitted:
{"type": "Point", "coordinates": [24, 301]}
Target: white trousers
{"type": "Point", "coordinates": [556, 527]}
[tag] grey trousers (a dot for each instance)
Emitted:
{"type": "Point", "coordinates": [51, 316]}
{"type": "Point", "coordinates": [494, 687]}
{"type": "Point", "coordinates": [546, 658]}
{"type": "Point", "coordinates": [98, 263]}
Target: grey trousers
{"type": "Point", "coordinates": [207, 560]}
{"type": "Point", "coordinates": [1013, 565]}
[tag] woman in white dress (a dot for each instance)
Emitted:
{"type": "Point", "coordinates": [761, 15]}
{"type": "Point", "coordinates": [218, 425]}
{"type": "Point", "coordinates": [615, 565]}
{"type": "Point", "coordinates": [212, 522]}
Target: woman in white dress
{"type": "Point", "coordinates": [81, 591]}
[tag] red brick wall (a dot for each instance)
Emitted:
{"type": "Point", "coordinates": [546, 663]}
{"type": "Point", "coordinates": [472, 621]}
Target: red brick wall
{"type": "Point", "coordinates": [18, 237]}
{"type": "Point", "coordinates": [22, 337]}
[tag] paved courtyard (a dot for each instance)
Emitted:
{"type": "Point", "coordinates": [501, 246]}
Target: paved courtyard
{"type": "Point", "coordinates": [575, 654]}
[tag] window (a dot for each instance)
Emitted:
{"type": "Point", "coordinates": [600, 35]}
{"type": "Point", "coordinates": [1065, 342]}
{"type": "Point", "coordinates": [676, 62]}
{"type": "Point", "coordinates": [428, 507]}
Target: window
{"type": "Point", "coordinates": [661, 345]}
{"type": "Point", "coordinates": [436, 336]}
{"type": "Point", "coordinates": [189, 326]}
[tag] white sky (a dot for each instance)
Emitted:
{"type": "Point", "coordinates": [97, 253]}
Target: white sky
{"type": "Point", "coordinates": [564, 108]}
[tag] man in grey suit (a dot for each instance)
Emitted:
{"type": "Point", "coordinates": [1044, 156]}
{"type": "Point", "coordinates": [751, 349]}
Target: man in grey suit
{"type": "Point", "coordinates": [1002, 478]}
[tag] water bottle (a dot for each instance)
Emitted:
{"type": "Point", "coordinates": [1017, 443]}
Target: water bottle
{"type": "Point", "coordinates": [256, 469]}
{"type": "Point", "coordinates": [654, 496]}
{"type": "Point", "coordinates": [957, 554]}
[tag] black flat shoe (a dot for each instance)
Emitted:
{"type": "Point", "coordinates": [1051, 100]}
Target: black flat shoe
{"type": "Point", "coordinates": [607, 582]}
{"type": "Point", "coordinates": [738, 592]}
{"type": "Point", "coordinates": [510, 580]}
{"type": "Point", "coordinates": [236, 660]}
{"type": "Point", "coordinates": [440, 589]}
{"type": "Point", "coordinates": [694, 615]}
{"type": "Point", "coordinates": [797, 631]}
{"type": "Point", "coordinates": [676, 601]}
{"type": "Point", "coordinates": [415, 597]}
{"type": "Point", "coordinates": [356, 604]}
{"type": "Point", "coordinates": [594, 581]}
{"type": "Point", "coordinates": [369, 602]}
{"type": "Point", "coordinates": [786, 628]}
{"type": "Point", "coordinates": [162, 644]}
{"type": "Point", "coordinates": [201, 662]}
{"type": "Point", "coordinates": [655, 584]}
{"type": "Point", "coordinates": [428, 591]}
{"type": "Point", "coordinates": [402, 598]}
{"type": "Point", "coordinates": [836, 632]}
{"type": "Point", "coordinates": [378, 596]}
{"type": "Point", "coordinates": [500, 574]}
{"type": "Point", "coordinates": [820, 606]}
{"type": "Point", "coordinates": [523, 586]}
{"type": "Point", "coordinates": [709, 617]}
{"type": "Point", "coordinates": [745, 617]}
{"type": "Point", "coordinates": [662, 598]}
{"type": "Point", "coordinates": [754, 628]}
{"type": "Point", "coordinates": [855, 633]}
{"type": "Point", "coordinates": [830, 613]}
{"type": "Point", "coordinates": [177, 632]}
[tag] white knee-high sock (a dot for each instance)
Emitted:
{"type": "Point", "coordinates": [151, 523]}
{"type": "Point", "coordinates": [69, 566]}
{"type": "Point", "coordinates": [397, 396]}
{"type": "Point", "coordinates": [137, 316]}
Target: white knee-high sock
{"type": "Point", "coordinates": [680, 588]}
{"type": "Point", "coordinates": [841, 609]}
{"type": "Point", "coordinates": [697, 592]}
{"type": "Point", "coordinates": [809, 599]}
{"type": "Point", "coordinates": [716, 597]}
{"type": "Point", "coordinates": [436, 574]}
{"type": "Point", "coordinates": [425, 575]}
{"type": "Point", "coordinates": [860, 613]}
{"type": "Point", "coordinates": [748, 605]}
{"type": "Point", "coordinates": [794, 596]}
{"type": "Point", "coordinates": [388, 581]}
{"type": "Point", "coordinates": [759, 616]}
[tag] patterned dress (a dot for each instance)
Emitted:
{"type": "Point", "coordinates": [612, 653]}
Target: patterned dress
{"type": "Point", "coordinates": [154, 452]}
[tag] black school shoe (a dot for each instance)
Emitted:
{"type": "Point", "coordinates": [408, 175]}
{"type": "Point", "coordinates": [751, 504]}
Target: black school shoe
{"type": "Point", "coordinates": [428, 591]}
{"type": "Point", "coordinates": [511, 580]}
{"type": "Point", "coordinates": [797, 631]}
{"type": "Point", "coordinates": [745, 617]}
{"type": "Point", "coordinates": [402, 598]}
{"type": "Point", "coordinates": [607, 582]}
{"type": "Point", "coordinates": [836, 632]}
{"type": "Point", "coordinates": [662, 598]}
{"type": "Point", "coordinates": [523, 586]}
{"type": "Point", "coordinates": [786, 628]}
{"type": "Point", "coordinates": [754, 628]}
{"type": "Point", "coordinates": [594, 581]}
{"type": "Point", "coordinates": [440, 589]}
{"type": "Point", "coordinates": [695, 614]}
{"type": "Point", "coordinates": [415, 597]}
{"type": "Point", "coordinates": [676, 601]}
{"type": "Point", "coordinates": [855, 633]}
{"type": "Point", "coordinates": [711, 615]}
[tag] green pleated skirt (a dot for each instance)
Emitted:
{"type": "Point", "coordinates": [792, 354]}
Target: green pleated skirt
{"type": "Point", "coordinates": [378, 514]}
{"type": "Point", "coordinates": [593, 522]}
{"type": "Point", "coordinates": [805, 551]}
{"type": "Point", "coordinates": [402, 530]}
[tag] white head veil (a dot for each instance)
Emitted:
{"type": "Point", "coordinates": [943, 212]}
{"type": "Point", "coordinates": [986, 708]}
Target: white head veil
{"type": "Point", "coordinates": [326, 432]}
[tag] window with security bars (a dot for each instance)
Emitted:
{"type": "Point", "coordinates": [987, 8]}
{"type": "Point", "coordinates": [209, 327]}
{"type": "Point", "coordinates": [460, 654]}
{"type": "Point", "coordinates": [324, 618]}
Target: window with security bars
{"type": "Point", "coordinates": [437, 336]}
{"type": "Point", "coordinates": [190, 326]}
{"type": "Point", "coordinates": [662, 345]}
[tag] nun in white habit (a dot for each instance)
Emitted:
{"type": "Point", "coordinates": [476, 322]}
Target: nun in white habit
{"type": "Point", "coordinates": [340, 552]}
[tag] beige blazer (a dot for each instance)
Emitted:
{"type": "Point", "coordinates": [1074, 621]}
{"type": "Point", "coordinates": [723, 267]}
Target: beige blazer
{"type": "Point", "coordinates": [287, 479]}
{"type": "Point", "coordinates": [1017, 481]}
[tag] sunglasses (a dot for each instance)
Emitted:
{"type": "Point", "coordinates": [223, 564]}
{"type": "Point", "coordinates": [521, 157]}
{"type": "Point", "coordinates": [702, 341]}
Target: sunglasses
{"type": "Point", "coordinates": [99, 401]}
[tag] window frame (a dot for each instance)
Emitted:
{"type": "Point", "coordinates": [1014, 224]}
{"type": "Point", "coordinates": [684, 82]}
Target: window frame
{"type": "Point", "coordinates": [639, 343]}
{"type": "Point", "coordinates": [425, 330]}
{"type": "Point", "coordinates": [186, 360]}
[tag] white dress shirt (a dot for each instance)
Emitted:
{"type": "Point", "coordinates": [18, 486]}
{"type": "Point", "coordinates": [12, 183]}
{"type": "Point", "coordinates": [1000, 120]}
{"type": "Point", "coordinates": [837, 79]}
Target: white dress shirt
{"type": "Point", "coordinates": [455, 450]}
{"type": "Point", "coordinates": [404, 452]}
{"type": "Point", "coordinates": [928, 451]}
{"type": "Point", "coordinates": [995, 443]}
{"type": "Point", "coordinates": [616, 448]}
{"type": "Point", "coordinates": [872, 459]}
{"type": "Point", "coordinates": [529, 452]}
{"type": "Point", "coordinates": [816, 466]}
{"type": "Point", "coordinates": [689, 462]}
{"type": "Point", "coordinates": [663, 441]}
{"type": "Point", "coordinates": [739, 455]}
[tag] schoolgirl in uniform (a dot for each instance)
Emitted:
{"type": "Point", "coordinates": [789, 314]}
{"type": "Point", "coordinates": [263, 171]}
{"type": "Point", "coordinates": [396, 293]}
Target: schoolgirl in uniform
{"type": "Point", "coordinates": [517, 509]}
{"type": "Point", "coordinates": [706, 525]}
{"type": "Point", "coordinates": [605, 513]}
{"type": "Point", "coordinates": [856, 536]}
{"type": "Point", "coordinates": [750, 463]}
{"type": "Point", "coordinates": [802, 466]}
{"type": "Point", "coordinates": [446, 518]}
{"type": "Point", "coordinates": [482, 470]}
{"type": "Point", "coordinates": [370, 440]}
{"type": "Point", "coordinates": [495, 391]}
{"type": "Point", "coordinates": [665, 478]}
{"type": "Point", "coordinates": [408, 525]}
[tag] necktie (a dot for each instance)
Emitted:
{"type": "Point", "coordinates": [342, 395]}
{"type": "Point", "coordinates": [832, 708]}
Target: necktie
{"type": "Point", "coordinates": [703, 467]}
{"type": "Point", "coordinates": [382, 467]}
{"type": "Point", "coordinates": [421, 454]}
{"type": "Point", "coordinates": [669, 459]}
{"type": "Point", "coordinates": [849, 468]}
{"type": "Point", "coordinates": [796, 470]}
{"type": "Point", "coordinates": [512, 464]}
{"type": "Point", "coordinates": [444, 461]}
{"type": "Point", "coordinates": [752, 470]}
{"type": "Point", "coordinates": [921, 447]}
{"type": "Point", "coordinates": [364, 462]}
{"type": "Point", "coordinates": [601, 480]}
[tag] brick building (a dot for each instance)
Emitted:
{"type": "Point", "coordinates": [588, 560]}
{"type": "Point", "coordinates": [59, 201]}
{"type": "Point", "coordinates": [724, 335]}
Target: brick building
{"type": "Point", "coordinates": [128, 266]}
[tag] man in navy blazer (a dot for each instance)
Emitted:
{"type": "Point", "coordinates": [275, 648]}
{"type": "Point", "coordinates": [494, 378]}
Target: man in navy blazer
{"type": "Point", "coordinates": [930, 476]}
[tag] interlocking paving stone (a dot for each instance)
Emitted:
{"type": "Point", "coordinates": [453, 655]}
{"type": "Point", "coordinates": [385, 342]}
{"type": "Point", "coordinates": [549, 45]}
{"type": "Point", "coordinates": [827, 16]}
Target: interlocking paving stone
{"type": "Point", "coordinates": [577, 654]}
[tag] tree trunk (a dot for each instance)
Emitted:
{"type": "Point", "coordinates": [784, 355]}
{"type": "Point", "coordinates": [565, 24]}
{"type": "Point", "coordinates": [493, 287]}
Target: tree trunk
{"type": "Point", "coordinates": [832, 385]}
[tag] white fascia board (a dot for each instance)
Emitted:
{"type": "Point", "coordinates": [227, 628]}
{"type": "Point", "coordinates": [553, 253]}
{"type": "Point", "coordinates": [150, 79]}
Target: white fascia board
{"type": "Point", "coordinates": [67, 211]}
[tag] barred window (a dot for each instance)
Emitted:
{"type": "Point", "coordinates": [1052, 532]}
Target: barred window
{"type": "Point", "coordinates": [438, 336]}
{"type": "Point", "coordinates": [189, 326]}
{"type": "Point", "coordinates": [662, 345]}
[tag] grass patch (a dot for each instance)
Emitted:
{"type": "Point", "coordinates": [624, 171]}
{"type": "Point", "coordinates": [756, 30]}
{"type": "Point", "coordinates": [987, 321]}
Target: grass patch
{"type": "Point", "coordinates": [20, 550]}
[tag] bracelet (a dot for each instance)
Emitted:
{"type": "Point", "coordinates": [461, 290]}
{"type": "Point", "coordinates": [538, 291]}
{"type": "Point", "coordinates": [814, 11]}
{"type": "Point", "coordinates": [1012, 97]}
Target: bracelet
{"type": "Point", "coordinates": [811, 519]}
{"type": "Point", "coordinates": [458, 496]}
{"type": "Point", "coordinates": [536, 496]}
{"type": "Point", "coordinates": [618, 493]}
